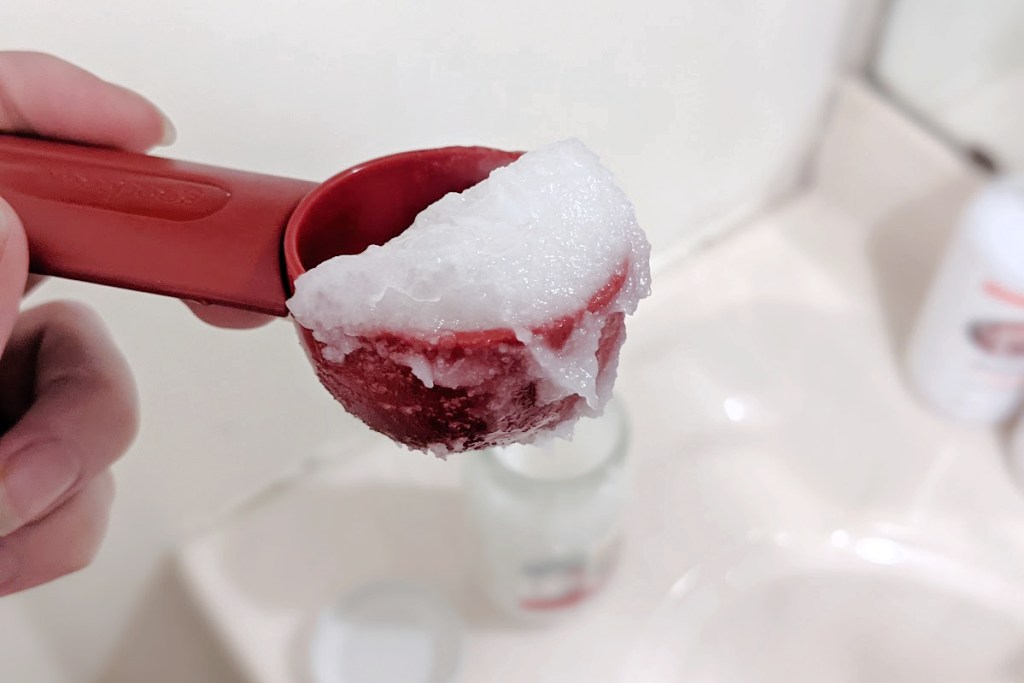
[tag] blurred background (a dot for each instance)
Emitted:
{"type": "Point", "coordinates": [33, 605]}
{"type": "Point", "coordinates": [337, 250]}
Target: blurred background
{"type": "Point", "coordinates": [959, 68]}
{"type": "Point", "coordinates": [710, 113]}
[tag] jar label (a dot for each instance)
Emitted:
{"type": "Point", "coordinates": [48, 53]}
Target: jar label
{"type": "Point", "coordinates": [560, 582]}
{"type": "Point", "coordinates": [1000, 338]}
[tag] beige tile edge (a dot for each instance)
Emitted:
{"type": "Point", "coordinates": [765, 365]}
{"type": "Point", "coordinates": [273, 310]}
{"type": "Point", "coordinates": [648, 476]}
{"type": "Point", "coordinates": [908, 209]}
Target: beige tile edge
{"type": "Point", "coordinates": [865, 21]}
{"type": "Point", "coordinates": [873, 157]}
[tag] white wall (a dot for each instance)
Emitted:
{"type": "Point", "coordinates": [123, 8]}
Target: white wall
{"type": "Point", "coordinates": [25, 654]}
{"type": "Point", "coordinates": [960, 64]}
{"type": "Point", "coordinates": [703, 108]}
{"type": "Point", "coordinates": [696, 104]}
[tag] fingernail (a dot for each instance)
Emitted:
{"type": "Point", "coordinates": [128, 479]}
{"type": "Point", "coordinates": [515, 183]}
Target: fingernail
{"type": "Point", "coordinates": [30, 484]}
{"type": "Point", "coordinates": [8, 218]}
{"type": "Point", "coordinates": [170, 132]}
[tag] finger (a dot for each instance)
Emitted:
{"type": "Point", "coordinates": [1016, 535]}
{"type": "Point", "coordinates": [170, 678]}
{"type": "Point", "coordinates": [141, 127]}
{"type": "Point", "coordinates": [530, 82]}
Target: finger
{"type": "Point", "coordinates": [13, 268]}
{"type": "Point", "coordinates": [231, 318]}
{"type": "Point", "coordinates": [81, 412]}
{"type": "Point", "coordinates": [46, 96]}
{"type": "Point", "coordinates": [63, 542]}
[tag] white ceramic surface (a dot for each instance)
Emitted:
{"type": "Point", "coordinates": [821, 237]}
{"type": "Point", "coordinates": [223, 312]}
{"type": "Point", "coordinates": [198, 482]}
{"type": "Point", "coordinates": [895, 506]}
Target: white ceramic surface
{"type": "Point", "coordinates": [845, 607]}
{"type": "Point", "coordinates": [765, 400]}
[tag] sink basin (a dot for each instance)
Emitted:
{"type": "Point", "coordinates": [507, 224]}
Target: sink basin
{"type": "Point", "coordinates": [764, 398]}
{"type": "Point", "coordinates": [871, 609]}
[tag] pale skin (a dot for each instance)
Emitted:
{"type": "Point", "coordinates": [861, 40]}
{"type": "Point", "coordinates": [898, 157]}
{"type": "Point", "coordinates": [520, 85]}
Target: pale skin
{"type": "Point", "coordinates": [68, 403]}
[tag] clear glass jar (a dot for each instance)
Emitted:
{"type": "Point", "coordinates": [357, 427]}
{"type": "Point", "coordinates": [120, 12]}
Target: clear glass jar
{"type": "Point", "coordinates": [546, 521]}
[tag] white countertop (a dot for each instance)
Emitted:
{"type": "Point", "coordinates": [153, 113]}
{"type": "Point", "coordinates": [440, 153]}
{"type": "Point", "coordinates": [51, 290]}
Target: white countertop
{"type": "Point", "coordinates": [765, 398]}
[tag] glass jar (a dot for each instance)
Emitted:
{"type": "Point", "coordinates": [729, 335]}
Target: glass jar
{"type": "Point", "coordinates": [546, 521]}
{"type": "Point", "coordinates": [1016, 454]}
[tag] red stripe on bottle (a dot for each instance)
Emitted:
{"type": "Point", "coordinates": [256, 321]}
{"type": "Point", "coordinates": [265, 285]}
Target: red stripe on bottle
{"type": "Point", "coordinates": [996, 290]}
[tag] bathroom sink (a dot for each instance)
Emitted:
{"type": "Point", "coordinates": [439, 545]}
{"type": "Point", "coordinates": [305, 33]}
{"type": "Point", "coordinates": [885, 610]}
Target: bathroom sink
{"type": "Point", "coordinates": [789, 419]}
{"type": "Point", "coordinates": [872, 609]}
{"type": "Point", "coordinates": [767, 409]}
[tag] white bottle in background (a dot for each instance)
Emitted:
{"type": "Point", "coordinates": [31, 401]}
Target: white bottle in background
{"type": "Point", "coordinates": [966, 354]}
{"type": "Point", "coordinates": [1016, 459]}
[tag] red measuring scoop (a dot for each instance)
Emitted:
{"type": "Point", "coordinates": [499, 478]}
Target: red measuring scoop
{"type": "Point", "coordinates": [233, 238]}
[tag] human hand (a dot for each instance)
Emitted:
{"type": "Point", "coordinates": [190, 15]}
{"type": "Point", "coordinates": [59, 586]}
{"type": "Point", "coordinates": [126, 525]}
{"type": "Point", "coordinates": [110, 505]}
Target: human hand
{"type": "Point", "coordinates": [68, 405]}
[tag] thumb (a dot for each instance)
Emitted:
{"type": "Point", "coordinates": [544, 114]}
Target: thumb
{"type": "Point", "coordinates": [13, 268]}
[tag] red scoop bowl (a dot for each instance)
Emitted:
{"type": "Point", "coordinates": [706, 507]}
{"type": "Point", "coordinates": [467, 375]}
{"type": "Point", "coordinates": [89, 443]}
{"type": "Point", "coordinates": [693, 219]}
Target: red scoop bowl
{"type": "Point", "coordinates": [239, 239]}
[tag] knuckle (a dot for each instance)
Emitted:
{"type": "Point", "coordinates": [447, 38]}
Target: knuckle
{"type": "Point", "coordinates": [75, 313]}
{"type": "Point", "coordinates": [80, 558]}
{"type": "Point", "coordinates": [99, 368]}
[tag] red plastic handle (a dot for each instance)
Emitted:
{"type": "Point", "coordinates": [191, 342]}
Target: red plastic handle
{"type": "Point", "coordinates": [203, 233]}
